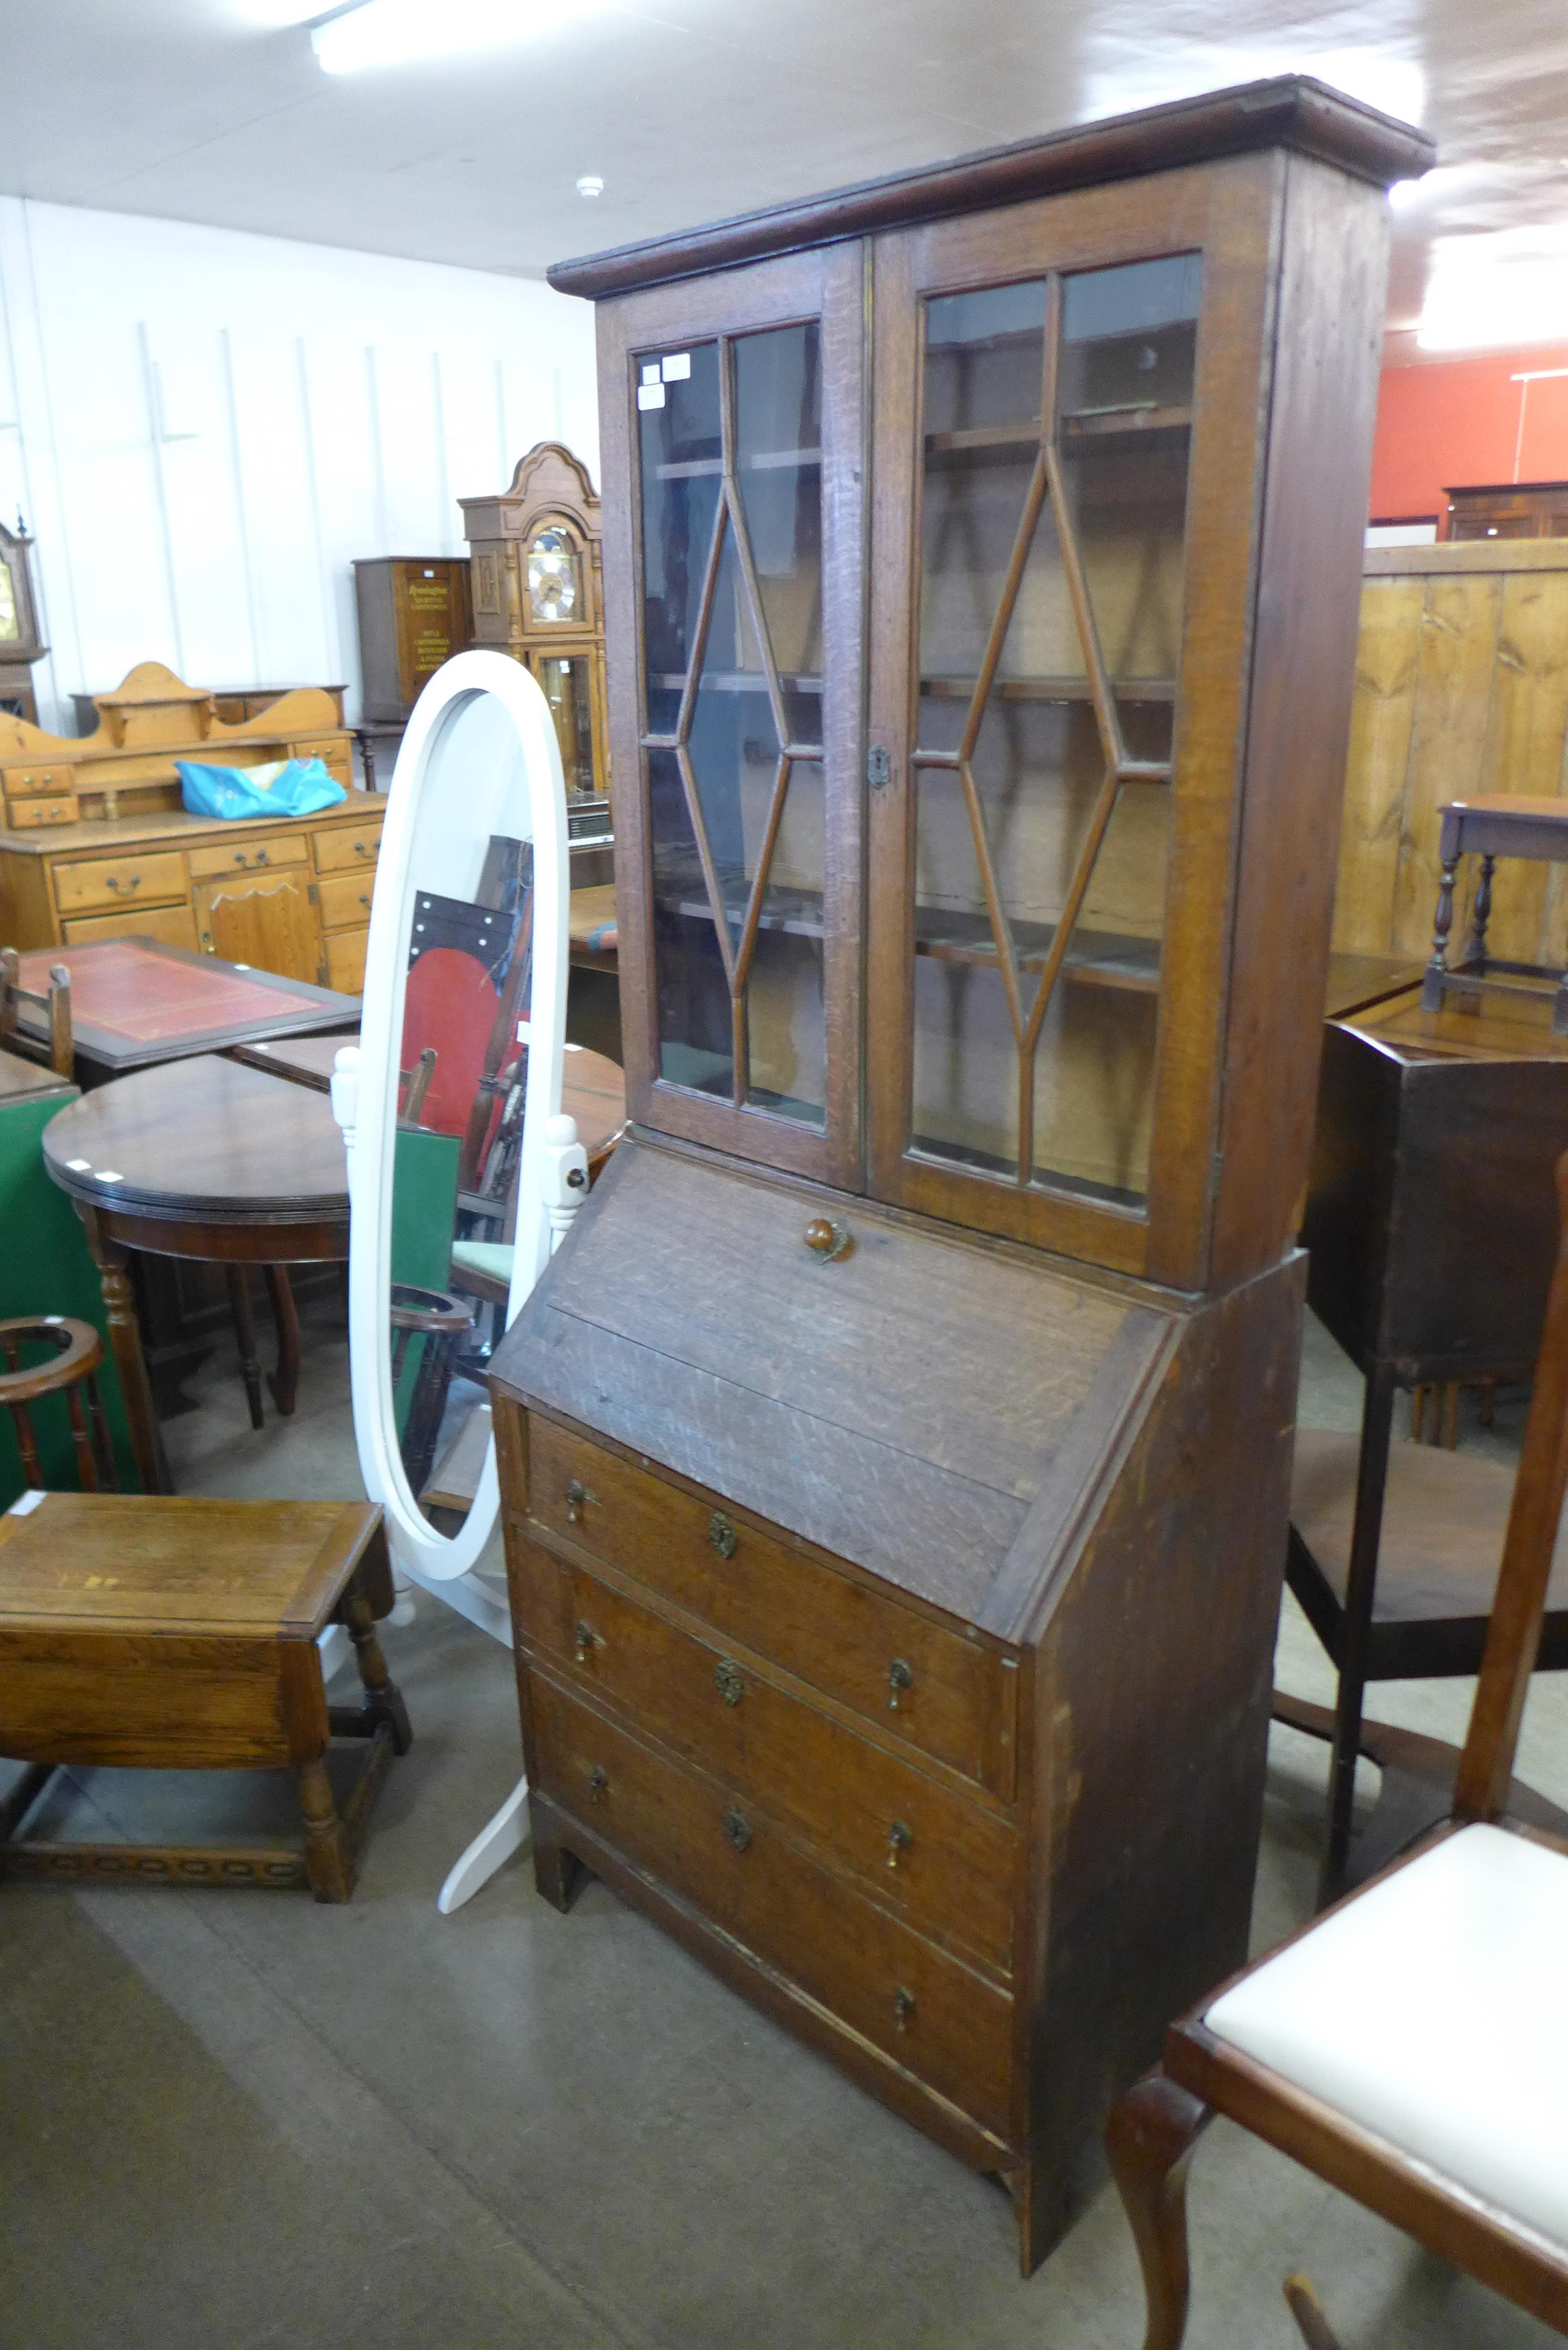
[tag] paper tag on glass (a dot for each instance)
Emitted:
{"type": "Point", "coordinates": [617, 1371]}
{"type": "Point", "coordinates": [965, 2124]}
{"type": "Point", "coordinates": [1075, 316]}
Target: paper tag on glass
{"type": "Point", "coordinates": [651, 395]}
{"type": "Point", "coordinates": [650, 371]}
{"type": "Point", "coordinates": [677, 367]}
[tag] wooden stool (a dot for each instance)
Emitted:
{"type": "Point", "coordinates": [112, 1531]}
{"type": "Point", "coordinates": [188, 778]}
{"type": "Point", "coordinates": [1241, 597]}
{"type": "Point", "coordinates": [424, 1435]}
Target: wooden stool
{"type": "Point", "coordinates": [77, 1350]}
{"type": "Point", "coordinates": [1498, 824]}
{"type": "Point", "coordinates": [147, 1633]}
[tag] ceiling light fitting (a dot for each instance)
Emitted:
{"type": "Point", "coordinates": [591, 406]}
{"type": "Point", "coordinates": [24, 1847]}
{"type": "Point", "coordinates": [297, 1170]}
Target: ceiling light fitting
{"type": "Point", "coordinates": [398, 32]}
{"type": "Point", "coordinates": [590, 184]}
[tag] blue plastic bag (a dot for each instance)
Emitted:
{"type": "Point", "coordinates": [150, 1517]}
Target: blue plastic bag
{"type": "Point", "coordinates": [285, 787]}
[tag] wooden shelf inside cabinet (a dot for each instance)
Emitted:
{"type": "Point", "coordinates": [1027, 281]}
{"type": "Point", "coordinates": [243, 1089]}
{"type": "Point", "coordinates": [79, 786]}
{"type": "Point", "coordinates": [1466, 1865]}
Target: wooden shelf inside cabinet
{"type": "Point", "coordinates": [796, 912]}
{"type": "Point", "coordinates": [1094, 958]}
{"type": "Point", "coordinates": [763, 460]}
{"type": "Point", "coordinates": [733, 680]}
{"type": "Point", "coordinates": [1133, 690]}
{"type": "Point", "coordinates": [1095, 424]}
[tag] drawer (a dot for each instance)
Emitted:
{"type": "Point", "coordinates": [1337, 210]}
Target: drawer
{"type": "Point", "coordinates": [346, 900]}
{"type": "Point", "coordinates": [39, 779]}
{"type": "Point", "coordinates": [345, 960]}
{"type": "Point", "coordinates": [171, 926]}
{"type": "Point", "coordinates": [119, 881]}
{"type": "Point", "coordinates": [703, 1841]}
{"type": "Point", "coordinates": [26, 815]}
{"type": "Point", "coordinates": [945, 1861]}
{"type": "Point", "coordinates": [334, 753]}
{"type": "Point", "coordinates": [348, 845]}
{"type": "Point", "coordinates": [953, 1698]}
{"type": "Point", "coordinates": [247, 857]}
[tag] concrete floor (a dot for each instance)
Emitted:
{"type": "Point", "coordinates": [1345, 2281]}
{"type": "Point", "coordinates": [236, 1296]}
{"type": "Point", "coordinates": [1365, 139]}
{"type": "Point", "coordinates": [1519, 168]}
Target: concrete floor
{"type": "Point", "coordinates": [235, 2119]}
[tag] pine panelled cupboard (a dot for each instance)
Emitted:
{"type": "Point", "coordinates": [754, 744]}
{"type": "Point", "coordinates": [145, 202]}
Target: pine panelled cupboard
{"type": "Point", "coordinates": [896, 1455]}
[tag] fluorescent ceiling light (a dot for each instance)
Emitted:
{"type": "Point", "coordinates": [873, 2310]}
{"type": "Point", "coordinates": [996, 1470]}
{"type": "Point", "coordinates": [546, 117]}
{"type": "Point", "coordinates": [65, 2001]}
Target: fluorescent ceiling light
{"type": "Point", "coordinates": [1497, 292]}
{"type": "Point", "coordinates": [397, 32]}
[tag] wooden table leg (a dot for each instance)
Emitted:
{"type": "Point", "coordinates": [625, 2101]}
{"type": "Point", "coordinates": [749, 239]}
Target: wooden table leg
{"type": "Point", "coordinates": [236, 1276]}
{"type": "Point", "coordinates": [1356, 1624]}
{"type": "Point", "coordinates": [125, 1345]}
{"type": "Point", "coordinates": [285, 1381]}
{"type": "Point", "coordinates": [329, 1858]}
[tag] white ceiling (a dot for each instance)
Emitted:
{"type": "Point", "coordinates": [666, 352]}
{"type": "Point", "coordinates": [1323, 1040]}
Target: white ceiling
{"type": "Point", "coordinates": [692, 109]}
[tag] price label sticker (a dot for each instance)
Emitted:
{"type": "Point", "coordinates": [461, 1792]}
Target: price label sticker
{"type": "Point", "coordinates": [651, 395]}
{"type": "Point", "coordinates": [677, 367]}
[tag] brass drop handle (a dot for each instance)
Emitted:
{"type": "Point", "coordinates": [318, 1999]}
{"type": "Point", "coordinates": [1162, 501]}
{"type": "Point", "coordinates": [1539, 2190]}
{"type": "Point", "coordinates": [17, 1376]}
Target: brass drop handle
{"type": "Point", "coordinates": [364, 897]}
{"type": "Point", "coordinates": [599, 1783]}
{"type": "Point", "coordinates": [735, 1828]}
{"type": "Point", "coordinates": [262, 857]}
{"type": "Point", "coordinates": [586, 1636]}
{"type": "Point", "coordinates": [899, 1839]}
{"type": "Point", "coordinates": [113, 881]}
{"type": "Point", "coordinates": [728, 1682]}
{"type": "Point", "coordinates": [241, 860]}
{"type": "Point", "coordinates": [578, 1494]}
{"type": "Point", "coordinates": [827, 1239]}
{"type": "Point", "coordinates": [361, 848]}
{"type": "Point", "coordinates": [900, 1678]}
{"type": "Point", "coordinates": [722, 1533]}
{"type": "Point", "coordinates": [903, 2007]}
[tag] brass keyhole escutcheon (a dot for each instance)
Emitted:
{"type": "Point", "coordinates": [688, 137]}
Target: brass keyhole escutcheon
{"type": "Point", "coordinates": [899, 1839]}
{"type": "Point", "coordinates": [828, 1238]}
{"type": "Point", "coordinates": [722, 1533]}
{"type": "Point", "coordinates": [578, 1498]}
{"type": "Point", "coordinates": [728, 1682]}
{"type": "Point", "coordinates": [586, 1637]}
{"type": "Point", "coordinates": [900, 1678]}
{"type": "Point", "coordinates": [903, 2007]}
{"type": "Point", "coordinates": [599, 1783]}
{"type": "Point", "coordinates": [735, 1828]}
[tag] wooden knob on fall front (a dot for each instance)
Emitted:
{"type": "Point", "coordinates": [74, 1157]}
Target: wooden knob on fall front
{"type": "Point", "coordinates": [826, 1240]}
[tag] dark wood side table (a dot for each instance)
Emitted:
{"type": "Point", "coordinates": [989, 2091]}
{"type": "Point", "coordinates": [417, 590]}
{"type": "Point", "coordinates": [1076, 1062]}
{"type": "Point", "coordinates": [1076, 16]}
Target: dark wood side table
{"type": "Point", "coordinates": [1500, 824]}
{"type": "Point", "coordinates": [1431, 1225]}
{"type": "Point", "coordinates": [207, 1159]}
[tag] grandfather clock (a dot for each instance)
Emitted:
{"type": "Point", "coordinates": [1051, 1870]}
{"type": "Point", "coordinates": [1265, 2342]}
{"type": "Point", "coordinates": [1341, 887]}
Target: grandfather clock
{"type": "Point", "coordinates": [538, 596]}
{"type": "Point", "coordinates": [20, 643]}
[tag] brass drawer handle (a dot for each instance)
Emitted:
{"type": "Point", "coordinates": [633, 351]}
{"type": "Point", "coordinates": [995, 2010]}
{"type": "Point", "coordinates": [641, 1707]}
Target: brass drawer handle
{"type": "Point", "coordinates": [899, 1839]}
{"type": "Point", "coordinates": [599, 1783]}
{"type": "Point", "coordinates": [262, 857]}
{"type": "Point", "coordinates": [578, 1496]}
{"type": "Point", "coordinates": [900, 1678]}
{"type": "Point", "coordinates": [113, 881]}
{"type": "Point", "coordinates": [735, 1828]}
{"type": "Point", "coordinates": [585, 1638]}
{"type": "Point", "coordinates": [722, 1533]}
{"type": "Point", "coordinates": [361, 848]}
{"type": "Point", "coordinates": [903, 2007]}
{"type": "Point", "coordinates": [828, 1238]}
{"type": "Point", "coordinates": [728, 1682]}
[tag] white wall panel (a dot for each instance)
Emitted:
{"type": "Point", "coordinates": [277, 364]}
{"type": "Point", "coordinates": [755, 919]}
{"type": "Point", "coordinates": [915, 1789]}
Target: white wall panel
{"type": "Point", "coordinates": [205, 429]}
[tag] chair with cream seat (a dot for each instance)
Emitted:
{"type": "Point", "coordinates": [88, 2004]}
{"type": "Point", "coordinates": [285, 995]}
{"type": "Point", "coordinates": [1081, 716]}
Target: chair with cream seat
{"type": "Point", "coordinates": [1411, 2045]}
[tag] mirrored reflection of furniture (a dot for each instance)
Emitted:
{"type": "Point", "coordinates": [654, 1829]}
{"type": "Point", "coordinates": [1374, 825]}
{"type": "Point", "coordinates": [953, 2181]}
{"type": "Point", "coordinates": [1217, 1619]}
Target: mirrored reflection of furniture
{"type": "Point", "coordinates": [1430, 1231]}
{"type": "Point", "coordinates": [895, 1515]}
{"type": "Point", "coordinates": [1399, 2046]}
{"type": "Point", "coordinates": [1500, 824]}
{"type": "Point", "coordinates": [415, 611]}
{"type": "Point", "coordinates": [1508, 509]}
{"type": "Point", "coordinates": [199, 1158]}
{"type": "Point", "coordinates": [161, 1634]}
{"type": "Point", "coordinates": [538, 594]}
{"type": "Point", "coordinates": [21, 644]}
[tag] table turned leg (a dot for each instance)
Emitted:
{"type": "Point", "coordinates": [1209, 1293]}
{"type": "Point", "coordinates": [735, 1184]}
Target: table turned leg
{"type": "Point", "coordinates": [125, 1345]}
{"type": "Point", "coordinates": [1437, 970]}
{"type": "Point", "coordinates": [328, 1855]}
{"type": "Point", "coordinates": [1475, 945]}
{"type": "Point", "coordinates": [383, 1698]}
{"type": "Point", "coordinates": [236, 1276]}
{"type": "Point", "coordinates": [285, 1381]}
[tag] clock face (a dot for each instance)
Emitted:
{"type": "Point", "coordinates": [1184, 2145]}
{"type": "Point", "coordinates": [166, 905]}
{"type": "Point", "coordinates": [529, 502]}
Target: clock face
{"type": "Point", "coordinates": [552, 577]}
{"type": "Point", "coordinates": [10, 621]}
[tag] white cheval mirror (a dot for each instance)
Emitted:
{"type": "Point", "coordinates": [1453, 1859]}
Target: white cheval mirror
{"type": "Point", "coordinates": [462, 1173]}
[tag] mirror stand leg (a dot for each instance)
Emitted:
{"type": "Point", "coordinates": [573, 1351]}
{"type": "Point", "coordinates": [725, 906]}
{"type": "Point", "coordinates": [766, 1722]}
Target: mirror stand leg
{"type": "Point", "coordinates": [496, 1842]}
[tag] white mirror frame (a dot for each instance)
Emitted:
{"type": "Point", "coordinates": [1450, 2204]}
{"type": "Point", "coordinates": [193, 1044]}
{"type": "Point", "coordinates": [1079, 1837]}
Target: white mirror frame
{"type": "Point", "coordinates": [419, 1550]}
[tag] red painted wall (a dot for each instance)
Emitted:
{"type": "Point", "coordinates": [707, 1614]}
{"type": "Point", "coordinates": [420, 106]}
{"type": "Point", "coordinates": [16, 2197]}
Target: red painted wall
{"type": "Point", "coordinates": [1456, 420]}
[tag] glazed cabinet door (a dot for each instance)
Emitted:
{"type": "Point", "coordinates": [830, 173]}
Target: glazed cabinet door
{"type": "Point", "coordinates": [1068, 406]}
{"type": "Point", "coordinates": [733, 422]}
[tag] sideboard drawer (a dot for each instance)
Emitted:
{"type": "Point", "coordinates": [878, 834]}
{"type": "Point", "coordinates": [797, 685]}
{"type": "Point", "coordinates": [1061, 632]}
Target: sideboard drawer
{"type": "Point", "coordinates": [953, 1698]}
{"type": "Point", "coordinates": [247, 857]}
{"type": "Point", "coordinates": [947, 2026]}
{"type": "Point", "coordinates": [119, 881]}
{"type": "Point", "coordinates": [333, 752]}
{"type": "Point", "coordinates": [26, 815]}
{"type": "Point", "coordinates": [942, 1858]}
{"type": "Point", "coordinates": [348, 845]}
{"type": "Point", "coordinates": [38, 779]}
{"type": "Point", "coordinates": [346, 900]}
{"type": "Point", "coordinates": [345, 960]}
{"type": "Point", "coordinates": [171, 926]}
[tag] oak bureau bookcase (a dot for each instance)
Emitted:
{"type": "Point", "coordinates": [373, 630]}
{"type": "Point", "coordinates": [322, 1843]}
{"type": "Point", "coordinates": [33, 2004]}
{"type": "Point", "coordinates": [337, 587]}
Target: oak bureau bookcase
{"type": "Point", "coordinates": [896, 1455]}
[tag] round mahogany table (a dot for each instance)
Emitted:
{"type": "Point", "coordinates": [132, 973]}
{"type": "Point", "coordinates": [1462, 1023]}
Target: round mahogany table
{"type": "Point", "coordinates": [218, 1159]}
